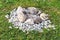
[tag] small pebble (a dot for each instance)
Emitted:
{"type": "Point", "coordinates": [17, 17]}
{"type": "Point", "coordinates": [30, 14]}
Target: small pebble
{"type": "Point", "coordinates": [10, 27]}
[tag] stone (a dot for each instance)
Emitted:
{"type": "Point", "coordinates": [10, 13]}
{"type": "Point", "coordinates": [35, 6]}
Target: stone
{"type": "Point", "coordinates": [29, 21]}
{"type": "Point", "coordinates": [39, 12]}
{"type": "Point", "coordinates": [19, 9]}
{"type": "Point", "coordinates": [44, 16]}
{"type": "Point", "coordinates": [20, 15]}
{"type": "Point", "coordinates": [51, 26]}
{"type": "Point", "coordinates": [10, 20]}
{"type": "Point", "coordinates": [10, 27]}
{"type": "Point", "coordinates": [7, 16]}
{"type": "Point", "coordinates": [37, 20]}
{"type": "Point", "coordinates": [32, 10]}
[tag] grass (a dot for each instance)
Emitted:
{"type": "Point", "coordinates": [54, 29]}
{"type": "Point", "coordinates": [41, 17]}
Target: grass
{"type": "Point", "coordinates": [52, 7]}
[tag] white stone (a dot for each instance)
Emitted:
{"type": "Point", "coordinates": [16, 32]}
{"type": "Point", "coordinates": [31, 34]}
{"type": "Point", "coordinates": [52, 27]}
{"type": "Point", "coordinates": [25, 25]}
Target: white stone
{"type": "Point", "coordinates": [51, 26]}
{"type": "Point", "coordinates": [21, 17]}
{"type": "Point", "coordinates": [15, 27]}
{"type": "Point", "coordinates": [7, 16]}
{"type": "Point", "coordinates": [10, 20]}
{"type": "Point", "coordinates": [19, 9]}
{"type": "Point", "coordinates": [43, 16]}
{"type": "Point", "coordinates": [29, 21]}
{"type": "Point", "coordinates": [10, 27]}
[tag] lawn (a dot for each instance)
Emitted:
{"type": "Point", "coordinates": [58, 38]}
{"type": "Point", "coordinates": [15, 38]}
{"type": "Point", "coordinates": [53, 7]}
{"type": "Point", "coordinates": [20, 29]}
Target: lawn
{"type": "Point", "coordinates": [51, 7]}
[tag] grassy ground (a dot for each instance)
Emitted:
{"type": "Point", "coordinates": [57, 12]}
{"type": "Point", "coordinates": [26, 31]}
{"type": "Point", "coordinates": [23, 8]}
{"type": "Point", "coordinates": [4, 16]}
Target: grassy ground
{"type": "Point", "coordinates": [52, 7]}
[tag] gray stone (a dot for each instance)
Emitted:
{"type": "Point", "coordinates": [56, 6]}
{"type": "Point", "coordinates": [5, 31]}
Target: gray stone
{"type": "Point", "coordinates": [32, 10]}
{"type": "Point", "coordinates": [39, 12]}
{"type": "Point", "coordinates": [37, 20]}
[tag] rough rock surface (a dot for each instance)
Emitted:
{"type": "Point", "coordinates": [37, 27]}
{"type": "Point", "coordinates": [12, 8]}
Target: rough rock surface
{"type": "Point", "coordinates": [28, 19]}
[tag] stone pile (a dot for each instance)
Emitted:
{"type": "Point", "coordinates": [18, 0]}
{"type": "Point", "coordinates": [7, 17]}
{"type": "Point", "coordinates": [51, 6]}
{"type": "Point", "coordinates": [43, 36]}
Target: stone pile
{"type": "Point", "coordinates": [28, 19]}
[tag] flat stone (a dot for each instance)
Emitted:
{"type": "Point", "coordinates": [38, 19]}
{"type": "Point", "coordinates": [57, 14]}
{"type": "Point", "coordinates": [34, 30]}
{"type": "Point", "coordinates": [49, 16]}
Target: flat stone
{"type": "Point", "coordinates": [20, 15]}
{"type": "Point", "coordinates": [43, 16]}
{"type": "Point", "coordinates": [29, 21]}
